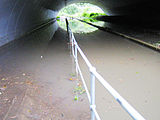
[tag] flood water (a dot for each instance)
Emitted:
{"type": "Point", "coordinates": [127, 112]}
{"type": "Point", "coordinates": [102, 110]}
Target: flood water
{"type": "Point", "coordinates": [132, 69]}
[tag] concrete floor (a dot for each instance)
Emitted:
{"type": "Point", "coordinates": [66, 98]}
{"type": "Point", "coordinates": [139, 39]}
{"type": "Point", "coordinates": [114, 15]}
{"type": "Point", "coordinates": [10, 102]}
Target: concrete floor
{"type": "Point", "coordinates": [35, 85]}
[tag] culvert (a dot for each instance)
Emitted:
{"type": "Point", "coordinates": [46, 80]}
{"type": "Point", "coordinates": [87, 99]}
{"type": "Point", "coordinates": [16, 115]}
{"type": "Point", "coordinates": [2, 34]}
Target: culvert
{"type": "Point", "coordinates": [19, 17]}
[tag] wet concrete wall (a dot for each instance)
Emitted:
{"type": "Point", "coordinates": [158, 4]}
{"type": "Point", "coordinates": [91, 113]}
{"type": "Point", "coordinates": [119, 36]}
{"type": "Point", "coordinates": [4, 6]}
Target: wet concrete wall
{"type": "Point", "coordinates": [19, 16]}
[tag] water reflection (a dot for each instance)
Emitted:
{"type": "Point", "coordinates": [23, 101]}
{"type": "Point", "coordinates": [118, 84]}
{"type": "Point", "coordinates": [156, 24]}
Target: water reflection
{"type": "Point", "coordinates": [83, 11]}
{"type": "Point", "coordinates": [79, 27]}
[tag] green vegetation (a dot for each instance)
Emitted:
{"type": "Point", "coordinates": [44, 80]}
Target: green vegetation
{"type": "Point", "coordinates": [75, 98]}
{"type": "Point", "coordinates": [90, 17]}
{"type": "Point", "coordinates": [78, 90]}
{"type": "Point", "coordinates": [157, 44]}
{"type": "Point", "coordinates": [70, 10]}
{"type": "Point", "coordinates": [83, 11]}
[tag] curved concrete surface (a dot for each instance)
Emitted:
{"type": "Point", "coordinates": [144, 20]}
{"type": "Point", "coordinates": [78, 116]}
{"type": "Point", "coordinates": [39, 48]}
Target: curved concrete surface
{"type": "Point", "coordinates": [17, 16]}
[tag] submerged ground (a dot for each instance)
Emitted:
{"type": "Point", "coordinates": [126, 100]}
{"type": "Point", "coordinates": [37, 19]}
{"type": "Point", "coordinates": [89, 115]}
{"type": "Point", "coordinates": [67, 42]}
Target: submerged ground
{"type": "Point", "coordinates": [35, 78]}
{"type": "Point", "coordinates": [35, 81]}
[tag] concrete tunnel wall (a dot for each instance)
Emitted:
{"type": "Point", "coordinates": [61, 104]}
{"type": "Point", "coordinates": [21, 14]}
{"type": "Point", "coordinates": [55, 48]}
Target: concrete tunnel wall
{"type": "Point", "coordinates": [20, 16]}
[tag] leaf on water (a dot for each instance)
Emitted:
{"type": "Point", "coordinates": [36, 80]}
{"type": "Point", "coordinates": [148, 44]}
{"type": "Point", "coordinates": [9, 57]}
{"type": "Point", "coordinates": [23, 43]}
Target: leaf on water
{"type": "Point", "coordinates": [29, 83]}
{"type": "Point", "coordinates": [3, 79]}
{"type": "Point", "coordinates": [75, 98]}
{"type": "Point", "coordinates": [72, 74]}
{"type": "Point", "coordinates": [4, 86]}
{"type": "Point", "coordinates": [83, 91]}
{"type": "Point", "coordinates": [29, 111]}
{"type": "Point", "coordinates": [72, 79]}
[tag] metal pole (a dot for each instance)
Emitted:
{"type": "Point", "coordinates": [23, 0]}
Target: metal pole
{"type": "Point", "coordinates": [92, 104]}
{"type": "Point", "coordinates": [67, 25]}
{"type": "Point", "coordinates": [70, 40]}
{"type": "Point", "coordinates": [72, 44]}
{"type": "Point", "coordinates": [76, 59]}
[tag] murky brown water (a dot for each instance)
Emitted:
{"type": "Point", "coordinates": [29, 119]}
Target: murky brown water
{"type": "Point", "coordinates": [133, 70]}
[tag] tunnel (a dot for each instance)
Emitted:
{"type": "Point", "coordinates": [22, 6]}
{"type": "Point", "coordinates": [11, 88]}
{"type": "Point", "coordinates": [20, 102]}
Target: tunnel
{"type": "Point", "coordinates": [36, 71]}
{"type": "Point", "coordinates": [18, 17]}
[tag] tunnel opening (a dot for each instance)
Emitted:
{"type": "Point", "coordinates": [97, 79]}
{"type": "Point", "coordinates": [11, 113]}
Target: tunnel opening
{"type": "Point", "coordinates": [83, 11]}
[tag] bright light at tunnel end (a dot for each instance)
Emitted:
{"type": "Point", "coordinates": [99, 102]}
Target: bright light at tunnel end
{"type": "Point", "coordinates": [83, 11]}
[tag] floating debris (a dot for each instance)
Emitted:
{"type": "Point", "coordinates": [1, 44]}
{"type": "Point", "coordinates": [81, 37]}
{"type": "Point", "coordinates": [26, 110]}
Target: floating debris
{"type": "Point", "coordinates": [79, 90]}
{"type": "Point", "coordinates": [3, 88]}
{"type": "Point", "coordinates": [75, 98]}
{"type": "Point", "coordinates": [72, 79]}
{"type": "Point", "coordinates": [72, 74]}
{"type": "Point", "coordinates": [3, 79]}
{"type": "Point", "coordinates": [29, 82]}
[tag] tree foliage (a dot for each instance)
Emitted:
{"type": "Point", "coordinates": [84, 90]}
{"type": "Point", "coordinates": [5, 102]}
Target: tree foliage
{"type": "Point", "coordinates": [71, 10]}
{"type": "Point", "coordinates": [83, 11]}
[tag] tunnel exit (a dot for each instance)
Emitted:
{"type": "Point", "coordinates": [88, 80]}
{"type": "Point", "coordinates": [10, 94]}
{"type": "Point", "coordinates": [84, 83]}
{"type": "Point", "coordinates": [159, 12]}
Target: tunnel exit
{"type": "Point", "coordinates": [83, 11]}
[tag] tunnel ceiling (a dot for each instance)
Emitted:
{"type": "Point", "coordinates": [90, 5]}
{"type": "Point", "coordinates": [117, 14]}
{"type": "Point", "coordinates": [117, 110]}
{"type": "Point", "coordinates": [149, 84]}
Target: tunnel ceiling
{"type": "Point", "coordinates": [113, 7]}
{"type": "Point", "coordinates": [143, 13]}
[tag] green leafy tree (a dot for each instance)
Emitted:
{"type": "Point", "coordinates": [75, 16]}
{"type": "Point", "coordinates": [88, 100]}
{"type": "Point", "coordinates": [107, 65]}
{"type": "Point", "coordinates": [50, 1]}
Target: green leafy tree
{"type": "Point", "coordinates": [84, 11]}
{"type": "Point", "coordinates": [71, 10]}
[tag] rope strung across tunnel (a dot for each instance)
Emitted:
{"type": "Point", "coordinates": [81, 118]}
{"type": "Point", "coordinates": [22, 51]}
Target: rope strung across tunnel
{"type": "Point", "coordinates": [94, 74]}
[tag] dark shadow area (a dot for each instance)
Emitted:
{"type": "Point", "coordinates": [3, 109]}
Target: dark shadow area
{"type": "Point", "coordinates": [133, 21]}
